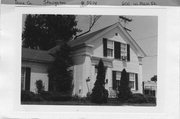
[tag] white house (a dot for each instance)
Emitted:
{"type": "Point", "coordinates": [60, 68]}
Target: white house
{"type": "Point", "coordinates": [113, 45]}
{"type": "Point", "coordinates": [34, 67]}
{"type": "Point", "coordinates": [117, 49]}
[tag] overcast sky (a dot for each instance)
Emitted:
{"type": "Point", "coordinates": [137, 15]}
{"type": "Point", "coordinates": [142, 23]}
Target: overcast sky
{"type": "Point", "coordinates": [144, 31]}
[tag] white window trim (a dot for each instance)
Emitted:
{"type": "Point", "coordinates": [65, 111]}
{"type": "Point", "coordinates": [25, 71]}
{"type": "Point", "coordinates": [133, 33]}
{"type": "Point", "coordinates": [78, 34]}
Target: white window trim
{"type": "Point", "coordinates": [134, 88]}
{"type": "Point", "coordinates": [110, 48]}
{"type": "Point", "coordinates": [23, 78]}
{"type": "Point", "coordinates": [122, 51]}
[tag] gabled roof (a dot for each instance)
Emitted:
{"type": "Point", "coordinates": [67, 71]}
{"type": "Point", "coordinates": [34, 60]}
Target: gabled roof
{"type": "Point", "coordinates": [36, 55]}
{"type": "Point", "coordinates": [85, 39]}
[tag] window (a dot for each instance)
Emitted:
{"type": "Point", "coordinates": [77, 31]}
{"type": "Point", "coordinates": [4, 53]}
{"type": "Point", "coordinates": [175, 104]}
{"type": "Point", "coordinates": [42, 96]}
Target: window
{"type": "Point", "coordinates": [123, 51]}
{"type": "Point", "coordinates": [110, 48]}
{"type": "Point", "coordinates": [118, 75]}
{"type": "Point", "coordinates": [118, 78]}
{"type": "Point", "coordinates": [25, 78]}
{"type": "Point", "coordinates": [23, 74]}
{"type": "Point", "coordinates": [117, 50]}
{"type": "Point", "coordinates": [132, 81]}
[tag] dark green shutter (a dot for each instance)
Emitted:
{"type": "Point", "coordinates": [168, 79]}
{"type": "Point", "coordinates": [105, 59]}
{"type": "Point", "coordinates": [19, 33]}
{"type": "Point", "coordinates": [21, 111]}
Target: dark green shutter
{"type": "Point", "coordinates": [28, 76]}
{"type": "Point", "coordinates": [128, 52]}
{"type": "Point", "coordinates": [114, 80]}
{"type": "Point", "coordinates": [136, 81]}
{"type": "Point", "coordinates": [116, 50]}
{"type": "Point", "coordinates": [105, 47]}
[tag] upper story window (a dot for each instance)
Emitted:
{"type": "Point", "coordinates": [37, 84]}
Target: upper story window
{"type": "Point", "coordinates": [123, 51]}
{"type": "Point", "coordinates": [110, 48]}
{"type": "Point", "coordinates": [116, 50]}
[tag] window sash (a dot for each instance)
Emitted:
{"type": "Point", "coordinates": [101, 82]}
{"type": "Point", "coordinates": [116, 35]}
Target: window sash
{"type": "Point", "coordinates": [118, 75]}
{"type": "Point", "coordinates": [109, 52]}
{"type": "Point", "coordinates": [123, 50]}
{"type": "Point", "coordinates": [132, 83]}
{"type": "Point", "coordinates": [110, 44]}
{"type": "Point", "coordinates": [23, 78]}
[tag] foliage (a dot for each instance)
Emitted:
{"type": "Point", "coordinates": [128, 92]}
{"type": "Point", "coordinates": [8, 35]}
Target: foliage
{"type": "Point", "coordinates": [55, 96]}
{"type": "Point", "coordinates": [39, 86]}
{"type": "Point", "coordinates": [154, 78]}
{"type": "Point", "coordinates": [124, 91]}
{"type": "Point", "coordinates": [99, 93]}
{"type": "Point", "coordinates": [60, 75]}
{"type": "Point", "coordinates": [137, 98]}
{"type": "Point", "coordinates": [151, 99]}
{"type": "Point", "coordinates": [30, 96]}
{"type": "Point", "coordinates": [43, 31]}
{"type": "Point", "coordinates": [44, 96]}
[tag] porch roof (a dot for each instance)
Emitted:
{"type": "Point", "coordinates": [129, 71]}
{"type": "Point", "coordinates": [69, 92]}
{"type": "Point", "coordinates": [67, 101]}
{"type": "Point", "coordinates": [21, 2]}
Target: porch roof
{"type": "Point", "coordinates": [36, 55]}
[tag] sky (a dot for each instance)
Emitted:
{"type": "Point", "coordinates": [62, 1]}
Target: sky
{"type": "Point", "coordinates": [144, 32]}
{"type": "Point", "coordinates": [99, 2]}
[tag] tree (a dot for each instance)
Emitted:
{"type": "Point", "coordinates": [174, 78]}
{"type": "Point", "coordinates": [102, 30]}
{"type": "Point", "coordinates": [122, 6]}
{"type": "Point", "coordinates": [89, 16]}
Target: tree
{"type": "Point", "coordinates": [93, 19]}
{"type": "Point", "coordinates": [99, 93]}
{"type": "Point", "coordinates": [154, 78]}
{"type": "Point", "coordinates": [60, 74]}
{"type": "Point", "coordinates": [44, 31]}
{"type": "Point", "coordinates": [124, 90]}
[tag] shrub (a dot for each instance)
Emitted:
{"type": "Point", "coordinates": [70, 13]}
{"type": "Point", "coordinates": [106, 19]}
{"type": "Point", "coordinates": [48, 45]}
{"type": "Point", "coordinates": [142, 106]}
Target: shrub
{"type": "Point", "coordinates": [55, 96]}
{"type": "Point", "coordinates": [151, 99]}
{"type": "Point", "coordinates": [99, 93]}
{"type": "Point", "coordinates": [88, 96]}
{"type": "Point", "coordinates": [39, 86]}
{"type": "Point", "coordinates": [27, 95]}
{"type": "Point", "coordinates": [137, 98]}
{"type": "Point", "coordinates": [30, 96]}
{"type": "Point", "coordinates": [124, 92]}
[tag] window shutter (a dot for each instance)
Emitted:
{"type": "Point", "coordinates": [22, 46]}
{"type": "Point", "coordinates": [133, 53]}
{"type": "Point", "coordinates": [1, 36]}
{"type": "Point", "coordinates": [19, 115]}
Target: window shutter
{"type": "Point", "coordinates": [128, 52]}
{"type": "Point", "coordinates": [136, 80]}
{"type": "Point", "coordinates": [120, 50]}
{"type": "Point", "coordinates": [28, 76]}
{"type": "Point", "coordinates": [127, 77]}
{"type": "Point", "coordinates": [114, 80]}
{"type": "Point", "coordinates": [105, 47]}
{"type": "Point", "coordinates": [117, 50]}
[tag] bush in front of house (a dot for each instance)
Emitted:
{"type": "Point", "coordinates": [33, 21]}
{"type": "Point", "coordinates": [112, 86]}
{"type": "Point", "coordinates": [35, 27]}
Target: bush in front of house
{"type": "Point", "coordinates": [55, 96]}
{"type": "Point", "coordinates": [39, 86]}
{"type": "Point", "coordinates": [151, 99]}
{"type": "Point", "coordinates": [137, 98]}
{"type": "Point", "coordinates": [60, 72]}
{"type": "Point", "coordinates": [99, 93]}
{"type": "Point", "coordinates": [124, 92]}
{"type": "Point", "coordinates": [44, 96]}
{"type": "Point", "coordinates": [30, 96]}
